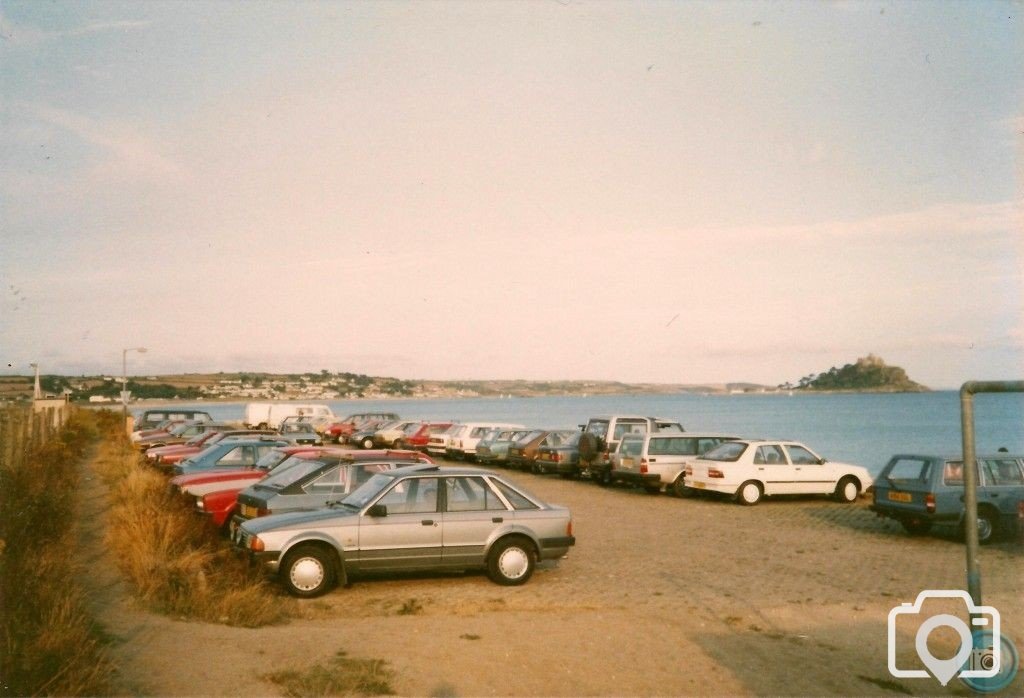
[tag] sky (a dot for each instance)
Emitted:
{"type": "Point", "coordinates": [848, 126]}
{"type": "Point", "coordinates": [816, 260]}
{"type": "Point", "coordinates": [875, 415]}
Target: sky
{"type": "Point", "coordinates": [677, 192]}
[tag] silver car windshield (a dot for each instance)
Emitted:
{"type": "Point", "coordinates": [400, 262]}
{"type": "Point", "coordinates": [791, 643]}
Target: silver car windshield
{"type": "Point", "coordinates": [368, 490]}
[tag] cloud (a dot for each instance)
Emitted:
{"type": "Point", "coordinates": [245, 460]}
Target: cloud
{"type": "Point", "coordinates": [931, 224]}
{"type": "Point", "coordinates": [17, 34]}
{"type": "Point", "coordinates": [130, 154]}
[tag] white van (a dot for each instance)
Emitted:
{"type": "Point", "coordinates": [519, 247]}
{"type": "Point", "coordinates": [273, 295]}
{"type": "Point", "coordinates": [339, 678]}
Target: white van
{"type": "Point", "coordinates": [268, 415]}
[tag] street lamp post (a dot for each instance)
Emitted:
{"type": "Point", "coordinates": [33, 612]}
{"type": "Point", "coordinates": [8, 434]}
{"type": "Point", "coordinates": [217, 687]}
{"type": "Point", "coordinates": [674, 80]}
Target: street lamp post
{"type": "Point", "coordinates": [37, 391]}
{"type": "Point", "coordinates": [124, 379]}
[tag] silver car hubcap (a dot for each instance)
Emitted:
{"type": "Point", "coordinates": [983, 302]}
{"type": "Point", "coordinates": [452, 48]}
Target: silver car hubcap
{"type": "Point", "coordinates": [850, 491]}
{"type": "Point", "coordinates": [984, 529]}
{"type": "Point", "coordinates": [306, 574]}
{"type": "Point", "coordinates": [750, 493]}
{"type": "Point", "coordinates": [513, 563]}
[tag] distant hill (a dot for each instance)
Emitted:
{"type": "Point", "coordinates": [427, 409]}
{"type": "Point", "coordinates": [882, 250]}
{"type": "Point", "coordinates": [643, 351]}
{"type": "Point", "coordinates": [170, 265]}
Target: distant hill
{"type": "Point", "coordinates": [868, 374]}
{"type": "Point", "coordinates": [327, 385]}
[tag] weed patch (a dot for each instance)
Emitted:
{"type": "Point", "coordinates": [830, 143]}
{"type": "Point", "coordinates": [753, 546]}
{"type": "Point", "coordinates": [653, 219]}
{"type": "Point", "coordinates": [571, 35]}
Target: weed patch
{"type": "Point", "coordinates": [174, 560]}
{"type": "Point", "coordinates": [342, 676]}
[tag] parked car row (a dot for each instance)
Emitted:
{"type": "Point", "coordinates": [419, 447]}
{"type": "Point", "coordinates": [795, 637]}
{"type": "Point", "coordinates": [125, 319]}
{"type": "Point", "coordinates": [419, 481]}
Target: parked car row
{"type": "Point", "coordinates": [314, 515]}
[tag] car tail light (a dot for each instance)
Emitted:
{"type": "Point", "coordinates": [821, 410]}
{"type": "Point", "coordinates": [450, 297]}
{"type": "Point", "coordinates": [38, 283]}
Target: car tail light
{"type": "Point", "coordinates": [715, 472]}
{"type": "Point", "coordinates": [263, 512]}
{"type": "Point", "coordinates": [256, 545]}
{"type": "Point", "coordinates": [557, 458]}
{"type": "Point", "coordinates": [568, 527]}
{"type": "Point", "coordinates": [689, 470]}
{"type": "Point", "coordinates": [929, 503]}
{"type": "Point", "coordinates": [643, 466]}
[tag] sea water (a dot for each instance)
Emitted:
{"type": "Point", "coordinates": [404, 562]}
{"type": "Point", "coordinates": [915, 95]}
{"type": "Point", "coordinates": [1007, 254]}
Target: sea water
{"type": "Point", "coordinates": [862, 428]}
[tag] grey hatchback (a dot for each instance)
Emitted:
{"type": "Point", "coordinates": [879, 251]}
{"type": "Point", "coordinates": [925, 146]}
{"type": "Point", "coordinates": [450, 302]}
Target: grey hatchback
{"type": "Point", "coordinates": [922, 490]}
{"type": "Point", "coordinates": [414, 518]}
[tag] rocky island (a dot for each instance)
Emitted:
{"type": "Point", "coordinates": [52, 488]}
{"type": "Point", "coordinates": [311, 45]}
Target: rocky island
{"type": "Point", "coordinates": [868, 374]}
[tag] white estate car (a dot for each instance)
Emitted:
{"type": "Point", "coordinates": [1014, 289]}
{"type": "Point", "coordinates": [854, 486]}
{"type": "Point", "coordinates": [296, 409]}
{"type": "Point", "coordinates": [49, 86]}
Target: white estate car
{"type": "Point", "coordinates": [749, 470]}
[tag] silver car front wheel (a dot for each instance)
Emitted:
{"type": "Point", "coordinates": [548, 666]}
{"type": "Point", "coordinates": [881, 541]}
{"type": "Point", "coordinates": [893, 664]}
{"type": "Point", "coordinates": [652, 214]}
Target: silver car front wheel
{"type": "Point", "coordinates": [308, 571]}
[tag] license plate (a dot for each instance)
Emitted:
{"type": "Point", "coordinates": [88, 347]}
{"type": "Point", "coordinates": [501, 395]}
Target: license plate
{"type": "Point", "coordinates": [900, 496]}
{"type": "Point", "coordinates": [248, 511]}
{"type": "Point", "coordinates": [545, 456]}
{"type": "Point", "coordinates": [627, 462]}
{"type": "Point", "coordinates": [697, 484]}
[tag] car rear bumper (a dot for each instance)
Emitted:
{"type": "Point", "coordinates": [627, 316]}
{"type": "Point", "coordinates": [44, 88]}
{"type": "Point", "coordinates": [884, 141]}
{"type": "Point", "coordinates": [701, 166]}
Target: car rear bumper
{"type": "Point", "coordinates": [712, 486]}
{"type": "Point", "coordinates": [635, 478]}
{"type": "Point", "coordinates": [554, 548]}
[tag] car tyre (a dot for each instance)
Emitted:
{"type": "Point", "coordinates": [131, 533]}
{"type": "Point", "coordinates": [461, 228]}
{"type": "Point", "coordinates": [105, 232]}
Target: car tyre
{"type": "Point", "coordinates": [602, 477]}
{"type": "Point", "coordinates": [512, 561]}
{"type": "Point", "coordinates": [988, 526]}
{"type": "Point", "coordinates": [590, 445]}
{"type": "Point", "coordinates": [847, 490]}
{"type": "Point", "coordinates": [749, 493]}
{"type": "Point", "coordinates": [308, 572]}
{"type": "Point", "coordinates": [367, 442]}
{"type": "Point", "coordinates": [399, 445]}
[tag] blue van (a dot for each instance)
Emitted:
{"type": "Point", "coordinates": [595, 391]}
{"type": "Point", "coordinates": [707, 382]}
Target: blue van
{"type": "Point", "coordinates": [920, 491]}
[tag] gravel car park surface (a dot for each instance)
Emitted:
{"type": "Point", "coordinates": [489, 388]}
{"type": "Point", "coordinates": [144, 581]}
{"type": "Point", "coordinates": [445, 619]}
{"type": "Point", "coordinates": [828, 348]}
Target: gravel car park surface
{"type": "Point", "coordinates": [660, 596]}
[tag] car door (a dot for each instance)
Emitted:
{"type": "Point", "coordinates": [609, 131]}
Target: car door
{"type": "Point", "coordinates": [775, 470]}
{"type": "Point", "coordinates": [472, 512]}
{"type": "Point", "coordinates": [409, 536]}
{"type": "Point", "coordinates": [810, 475]}
{"type": "Point", "coordinates": [1002, 484]}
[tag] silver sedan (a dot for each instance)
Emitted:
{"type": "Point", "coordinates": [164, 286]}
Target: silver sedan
{"type": "Point", "coordinates": [413, 518]}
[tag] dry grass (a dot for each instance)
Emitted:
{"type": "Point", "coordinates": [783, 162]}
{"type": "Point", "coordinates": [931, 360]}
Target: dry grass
{"type": "Point", "coordinates": [342, 676]}
{"type": "Point", "coordinates": [175, 562]}
{"type": "Point", "coordinates": [51, 645]}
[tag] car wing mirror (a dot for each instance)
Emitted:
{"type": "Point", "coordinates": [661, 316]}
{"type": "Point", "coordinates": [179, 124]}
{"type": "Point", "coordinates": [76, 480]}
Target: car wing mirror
{"type": "Point", "coordinates": [822, 461]}
{"type": "Point", "coordinates": [377, 510]}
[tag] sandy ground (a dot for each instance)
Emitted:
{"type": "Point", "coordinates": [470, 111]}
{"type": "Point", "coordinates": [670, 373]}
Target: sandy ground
{"type": "Point", "coordinates": [660, 596]}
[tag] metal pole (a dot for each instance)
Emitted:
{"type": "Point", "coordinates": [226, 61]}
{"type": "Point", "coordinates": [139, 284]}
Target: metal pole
{"type": "Point", "coordinates": [967, 392]}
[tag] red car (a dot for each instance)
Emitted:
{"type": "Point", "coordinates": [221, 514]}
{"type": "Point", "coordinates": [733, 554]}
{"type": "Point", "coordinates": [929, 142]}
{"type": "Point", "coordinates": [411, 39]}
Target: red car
{"type": "Point", "coordinates": [220, 506]}
{"type": "Point", "coordinates": [420, 438]}
{"type": "Point", "coordinates": [341, 430]}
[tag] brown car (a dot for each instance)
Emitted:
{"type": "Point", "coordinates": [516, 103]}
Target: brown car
{"type": "Point", "coordinates": [523, 453]}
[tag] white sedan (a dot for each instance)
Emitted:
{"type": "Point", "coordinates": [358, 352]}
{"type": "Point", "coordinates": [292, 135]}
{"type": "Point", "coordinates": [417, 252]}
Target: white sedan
{"type": "Point", "coordinates": [749, 470]}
